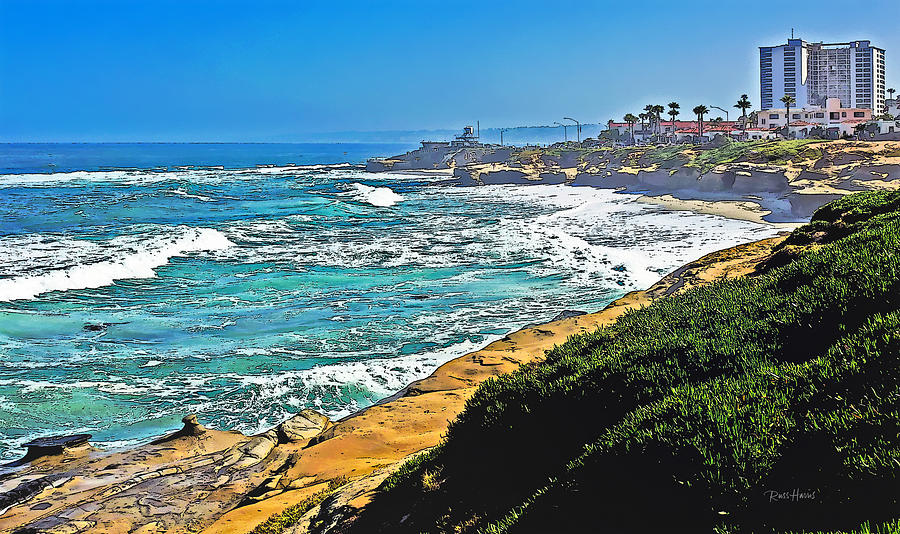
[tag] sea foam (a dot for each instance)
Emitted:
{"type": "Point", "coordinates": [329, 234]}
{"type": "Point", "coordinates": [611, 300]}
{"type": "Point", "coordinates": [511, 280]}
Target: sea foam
{"type": "Point", "coordinates": [131, 260]}
{"type": "Point", "coordinates": [381, 197]}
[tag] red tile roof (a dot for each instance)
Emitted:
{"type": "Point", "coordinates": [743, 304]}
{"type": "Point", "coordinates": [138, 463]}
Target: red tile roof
{"type": "Point", "coordinates": [678, 124]}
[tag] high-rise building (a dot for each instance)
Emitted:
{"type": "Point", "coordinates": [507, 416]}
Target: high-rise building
{"type": "Point", "coordinates": [814, 72]}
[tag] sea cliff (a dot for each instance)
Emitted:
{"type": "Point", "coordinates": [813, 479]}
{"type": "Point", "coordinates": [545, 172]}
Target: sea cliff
{"type": "Point", "coordinates": [785, 180]}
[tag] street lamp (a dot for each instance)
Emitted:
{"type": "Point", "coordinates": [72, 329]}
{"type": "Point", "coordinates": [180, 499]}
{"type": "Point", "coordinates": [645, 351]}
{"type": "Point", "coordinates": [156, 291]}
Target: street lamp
{"type": "Point", "coordinates": [565, 130]}
{"type": "Point", "coordinates": [501, 135]}
{"type": "Point", "coordinates": [577, 127]}
{"type": "Point", "coordinates": [720, 109]}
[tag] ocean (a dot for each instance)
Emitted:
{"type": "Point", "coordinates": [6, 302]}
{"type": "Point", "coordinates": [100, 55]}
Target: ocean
{"type": "Point", "coordinates": [243, 283]}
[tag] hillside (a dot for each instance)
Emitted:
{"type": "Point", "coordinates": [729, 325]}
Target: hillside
{"type": "Point", "coordinates": [695, 413]}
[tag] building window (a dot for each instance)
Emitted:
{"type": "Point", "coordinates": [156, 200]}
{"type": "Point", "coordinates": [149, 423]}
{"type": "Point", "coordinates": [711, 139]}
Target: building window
{"type": "Point", "coordinates": [859, 113]}
{"type": "Point", "coordinates": [796, 115]}
{"type": "Point", "coordinates": [843, 114]}
{"type": "Point", "coordinates": [820, 115]}
{"type": "Point", "coordinates": [773, 115]}
{"type": "Point", "coordinates": [834, 115]}
{"type": "Point", "coordinates": [763, 121]}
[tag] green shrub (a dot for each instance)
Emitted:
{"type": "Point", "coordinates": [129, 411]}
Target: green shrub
{"type": "Point", "coordinates": [278, 523]}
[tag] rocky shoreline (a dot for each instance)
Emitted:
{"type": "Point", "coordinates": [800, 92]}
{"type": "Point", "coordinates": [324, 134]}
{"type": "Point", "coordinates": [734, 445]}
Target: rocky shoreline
{"type": "Point", "coordinates": [206, 480]}
{"type": "Point", "coordinates": [785, 191]}
{"type": "Point", "coordinates": [752, 185]}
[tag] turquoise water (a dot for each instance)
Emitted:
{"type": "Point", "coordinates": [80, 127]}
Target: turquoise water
{"type": "Point", "coordinates": [129, 298]}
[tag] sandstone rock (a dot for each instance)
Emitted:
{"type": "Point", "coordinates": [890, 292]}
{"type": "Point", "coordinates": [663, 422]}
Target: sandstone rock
{"type": "Point", "coordinates": [553, 177]}
{"type": "Point", "coordinates": [566, 314]}
{"type": "Point", "coordinates": [192, 427]}
{"type": "Point", "coordinates": [303, 426]}
{"type": "Point", "coordinates": [53, 445]}
{"type": "Point", "coordinates": [504, 177]}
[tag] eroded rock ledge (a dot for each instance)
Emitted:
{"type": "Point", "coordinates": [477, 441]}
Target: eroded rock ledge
{"type": "Point", "coordinates": [786, 190]}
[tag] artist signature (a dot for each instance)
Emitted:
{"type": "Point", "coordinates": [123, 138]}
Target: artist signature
{"type": "Point", "coordinates": [794, 495]}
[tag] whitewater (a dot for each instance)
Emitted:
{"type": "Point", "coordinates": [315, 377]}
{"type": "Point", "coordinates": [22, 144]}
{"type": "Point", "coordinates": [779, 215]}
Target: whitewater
{"type": "Point", "coordinates": [129, 298]}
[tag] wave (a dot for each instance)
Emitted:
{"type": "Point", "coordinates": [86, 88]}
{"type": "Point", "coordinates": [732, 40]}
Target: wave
{"type": "Point", "coordinates": [382, 197]}
{"type": "Point", "coordinates": [185, 194]}
{"type": "Point", "coordinates": [587, 236]}
{"type": "Point", "coordinates": [341, 388]}
{"type": "Point", "coordinates": [195, 174]}
{"type": "Point", "coordinates": [139, 261]}
{"type": "Point", "coordinates": [276, 169]}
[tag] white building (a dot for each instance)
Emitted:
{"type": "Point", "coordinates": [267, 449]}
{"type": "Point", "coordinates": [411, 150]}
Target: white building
{"type": "Point", "coordinates": [829, 115]}
{"type": "Point", "coordinates": [756, 134]}
{"type": "Point", "coordinates": [892, 106]}
{"type": "Point", "coordinates": [814, 72]}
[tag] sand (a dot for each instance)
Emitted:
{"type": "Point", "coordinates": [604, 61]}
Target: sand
{"type": "Point", "coordinates": [744, 210]}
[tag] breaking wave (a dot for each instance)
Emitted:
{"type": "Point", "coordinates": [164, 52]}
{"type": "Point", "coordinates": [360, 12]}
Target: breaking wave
{"type": "Point", "coordinates": [382, 197]}
{"type": "Point", "coordinates": [128, 258]}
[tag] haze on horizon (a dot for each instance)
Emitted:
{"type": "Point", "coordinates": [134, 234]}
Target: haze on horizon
{"type": "Point", "coordinates": [102, 70]}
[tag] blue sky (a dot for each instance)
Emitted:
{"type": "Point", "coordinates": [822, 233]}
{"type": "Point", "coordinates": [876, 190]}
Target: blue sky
{"type": "Point", "coordinates": [193, 70]}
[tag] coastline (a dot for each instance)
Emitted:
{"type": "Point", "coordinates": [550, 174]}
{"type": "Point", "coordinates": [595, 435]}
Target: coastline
{"type": "Point", "coordinates": [215, 481]}
{"type": "Point", "coordinates": [265, 474]}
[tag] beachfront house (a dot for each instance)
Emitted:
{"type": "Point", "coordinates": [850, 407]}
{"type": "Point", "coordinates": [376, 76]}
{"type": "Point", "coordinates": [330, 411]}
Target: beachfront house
{"type": "Point", "coordinates": [756, 134]}
{"type": "Point", "coordinates": [832, 114]}
{"type": "Point", "coordinates": [711, 130]}
{"type": "Point", "coordinates": [666, 129]}
{"type": "Point", "coordinates": [879, 130]}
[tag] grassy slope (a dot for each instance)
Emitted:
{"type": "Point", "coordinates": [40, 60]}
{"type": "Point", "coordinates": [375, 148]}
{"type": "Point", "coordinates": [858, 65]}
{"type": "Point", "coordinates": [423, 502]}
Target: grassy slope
{"type": "Point", "coordinates": [682, 415]}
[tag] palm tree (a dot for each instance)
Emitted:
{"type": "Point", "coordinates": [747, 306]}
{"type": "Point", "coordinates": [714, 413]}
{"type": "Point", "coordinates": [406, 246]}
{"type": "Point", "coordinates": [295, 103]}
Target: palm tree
{"type": "Point", "coordinates": [700, 111]}
{"type": "Point", "coordinates": [643, 117]}
{"type": "Point", "coordinates": [657, 110]}
{"type": "Point", "coordinates": [788, 100]}
{"type": "Point", "coordinates": [630, 119]}
{"type": "Point", "coordinates": [673, 112]}
{"type": "Point", "coordinates": [743, 104]}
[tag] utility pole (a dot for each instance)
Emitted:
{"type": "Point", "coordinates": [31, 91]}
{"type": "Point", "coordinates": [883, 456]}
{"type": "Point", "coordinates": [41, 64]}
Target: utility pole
{"type": "Point", "coordinates": [565, 130]}
{"type": "Point", "coordinates": [577, 127]}
{"type": "Point", "coordinates": [720, 109]}
{"type": "Point", "coordinates": [501, 135]}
